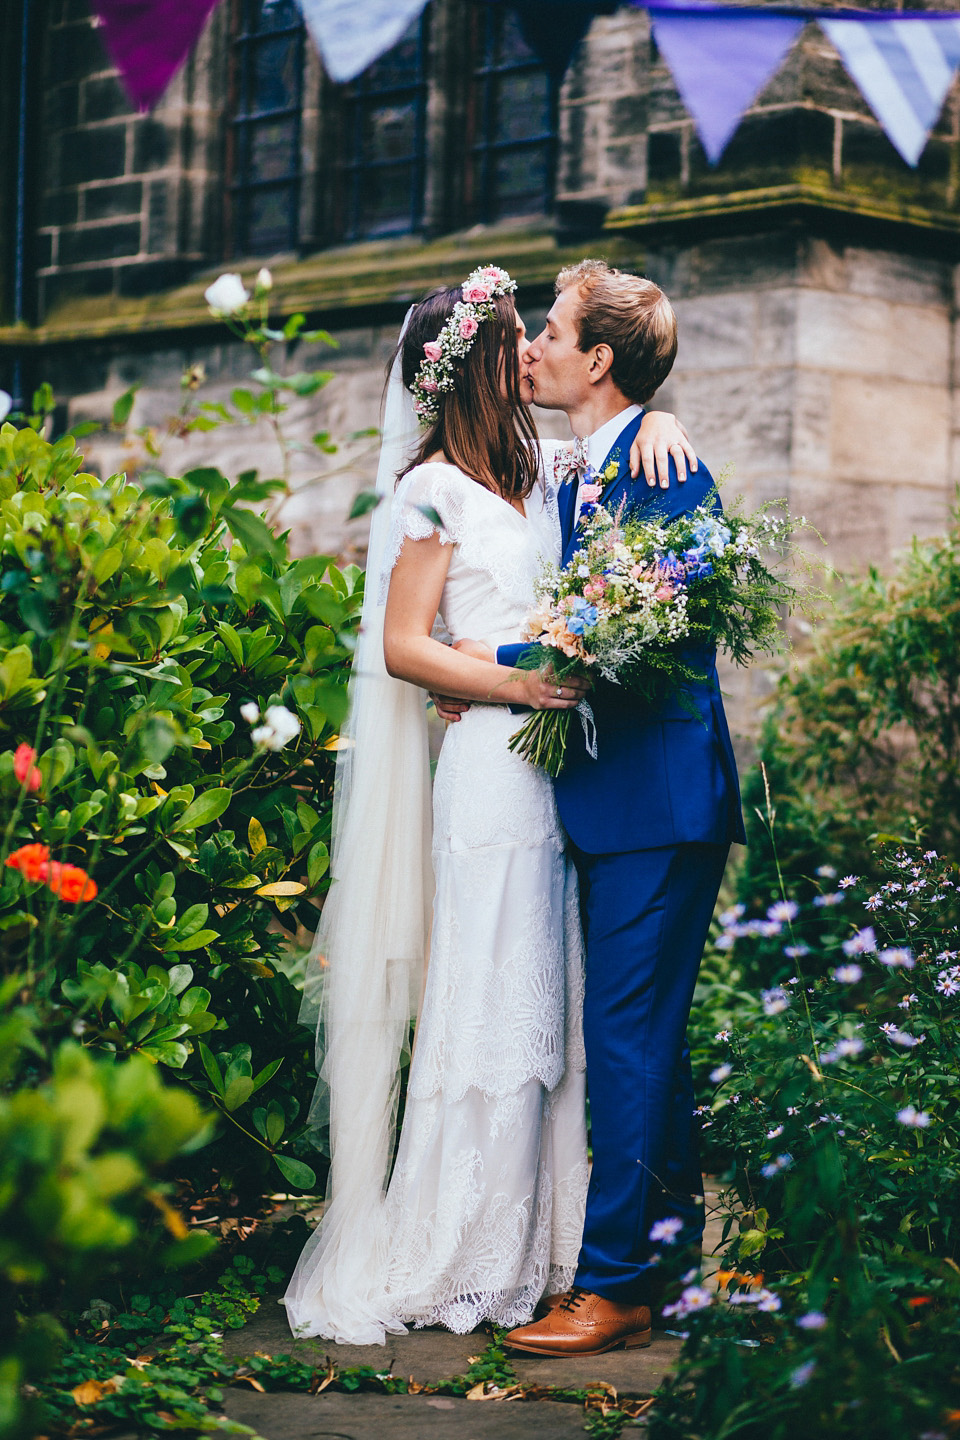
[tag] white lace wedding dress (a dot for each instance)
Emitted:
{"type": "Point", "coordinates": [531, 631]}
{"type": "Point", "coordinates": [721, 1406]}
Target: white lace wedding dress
{"type": "Point", "coordinates": [484, 1211]}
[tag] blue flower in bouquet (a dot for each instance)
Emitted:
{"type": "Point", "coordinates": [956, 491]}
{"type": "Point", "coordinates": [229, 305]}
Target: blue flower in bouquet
{"type": "Point", "coordinates": [711, 536]}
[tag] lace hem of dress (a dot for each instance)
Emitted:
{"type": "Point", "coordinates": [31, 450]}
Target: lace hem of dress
{"type": "Point", "coordinates": [464, 1313]}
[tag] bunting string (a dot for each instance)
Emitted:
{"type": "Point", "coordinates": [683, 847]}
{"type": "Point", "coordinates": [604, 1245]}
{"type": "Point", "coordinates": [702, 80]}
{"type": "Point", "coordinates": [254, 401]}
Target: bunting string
{"type": "Point", "coordinates": [721, 56]}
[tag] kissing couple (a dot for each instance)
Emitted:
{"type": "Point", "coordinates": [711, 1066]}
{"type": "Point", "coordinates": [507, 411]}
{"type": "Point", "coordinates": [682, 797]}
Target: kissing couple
{"type": "Point", "coordinates": [546, 936]}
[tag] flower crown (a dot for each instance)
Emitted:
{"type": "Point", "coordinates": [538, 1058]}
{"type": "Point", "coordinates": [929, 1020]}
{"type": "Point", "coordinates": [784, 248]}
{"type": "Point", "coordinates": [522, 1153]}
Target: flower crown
{"type": "Point", "coordinates": [437, 371]}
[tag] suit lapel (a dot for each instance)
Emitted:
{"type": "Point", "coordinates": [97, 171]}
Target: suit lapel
{"type": "Point", "coordinates": [614, 493]}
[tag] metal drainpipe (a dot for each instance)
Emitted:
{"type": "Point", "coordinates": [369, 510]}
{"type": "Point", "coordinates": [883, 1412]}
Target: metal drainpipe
{"type": "Point", "coordinates": [20, 233]}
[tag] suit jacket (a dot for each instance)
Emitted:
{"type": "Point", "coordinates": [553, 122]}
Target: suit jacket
{"type": "Point", "coordinates": [663, 777]}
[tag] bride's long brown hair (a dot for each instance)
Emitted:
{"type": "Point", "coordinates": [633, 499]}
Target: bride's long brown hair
{"type": "Point", "coordinates": [487, 434]}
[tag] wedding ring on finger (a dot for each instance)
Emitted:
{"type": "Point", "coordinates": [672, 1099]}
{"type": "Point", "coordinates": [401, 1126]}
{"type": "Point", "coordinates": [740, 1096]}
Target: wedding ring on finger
{"type": "Point", "coordinates": [559, 692]}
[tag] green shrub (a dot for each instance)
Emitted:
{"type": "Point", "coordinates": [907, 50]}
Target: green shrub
{"type": "Point", "coordinates": [130, 638]}
{"type": "Point", "coordinates": [864, 734]}
{"type": "Point", "coordinates": [79, 1156]}
{"type": "Point", "coordinates": [838, 1312]}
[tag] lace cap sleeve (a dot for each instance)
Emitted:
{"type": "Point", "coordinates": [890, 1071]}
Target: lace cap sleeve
{"type": "Point", "coordinates": [426, 495]}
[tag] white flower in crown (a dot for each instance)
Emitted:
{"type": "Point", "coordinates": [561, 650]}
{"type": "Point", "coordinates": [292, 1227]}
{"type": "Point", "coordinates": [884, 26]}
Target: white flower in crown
{"type": "Point", "coordinates": [438, 369]}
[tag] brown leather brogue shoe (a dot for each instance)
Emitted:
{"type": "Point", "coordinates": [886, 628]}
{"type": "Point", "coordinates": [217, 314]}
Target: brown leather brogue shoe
{"type": "Point", "coordinates": [584, 1324]}
{"type": "Point", "coordinates": [547, 1303]}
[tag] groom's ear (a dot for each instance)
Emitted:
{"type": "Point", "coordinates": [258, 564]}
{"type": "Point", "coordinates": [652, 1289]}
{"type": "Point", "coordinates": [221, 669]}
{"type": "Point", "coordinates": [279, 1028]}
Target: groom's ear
{"type": "Point", "coordinates": [601, 360]}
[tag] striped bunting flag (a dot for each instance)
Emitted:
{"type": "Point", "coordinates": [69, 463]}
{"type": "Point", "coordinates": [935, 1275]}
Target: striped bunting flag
{"type": "Point", "coordinates": [903, 68]}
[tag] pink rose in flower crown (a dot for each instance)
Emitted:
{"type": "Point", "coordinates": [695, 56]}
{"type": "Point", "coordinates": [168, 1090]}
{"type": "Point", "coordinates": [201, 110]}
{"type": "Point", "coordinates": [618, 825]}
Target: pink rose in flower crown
{"type": "Point", "coordinates": [433, 350]}
{"type": "Point", "coordinates": [590, 494]}
{"type": "Point", "coordinates": [476, 293]}
{"type": "Point", "coordinates": [469, 327]}
{"type": "Point", "coordinates": [493, 273]}
{"type": "Point", "coordinates": [429, 385]}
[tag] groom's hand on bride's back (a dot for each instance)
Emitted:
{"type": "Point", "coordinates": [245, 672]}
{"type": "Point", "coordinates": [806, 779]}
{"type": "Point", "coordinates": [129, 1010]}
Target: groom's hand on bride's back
{"type": "Point", "coordinates": [661, 438]}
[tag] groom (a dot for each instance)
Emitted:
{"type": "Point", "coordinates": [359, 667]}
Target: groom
{"type": "Point", "coordinates": [650, 823]}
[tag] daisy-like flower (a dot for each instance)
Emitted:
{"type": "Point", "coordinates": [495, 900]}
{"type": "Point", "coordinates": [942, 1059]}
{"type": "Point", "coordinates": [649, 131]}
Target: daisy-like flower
{"type": "Point", "coordinates": [930, 855]}
{"type": "Point", "coordinates": [906, 1002]}
{"type": "Point", "coordinates": [907, 1041]}
{"type": "Point", "coordinates": [848, 974]}
{"type": "Point", "coordinates": [813, 1320]}
{"type": "Point", "coordinates": [873, 903]}
{"type": "Point", "coordinates": [783, 911]}
{"type": "Point", "coordinates": [731, 916]}
{"type": "Point", "coordinates": [864, 942]}
{"type": "Point", "coordinates": [722, 1035]}
{"type": "Point", "coordinates": [914, 1118]}
{"type": "Point", "coordinates": [802, 1375]}
{"type": "Point", "coordinates": [847, 881]}
{"type": "Point", "coordinates": [796, 952]}
{"type": "Point", "coordinates": [845, 1049]}
{"type": "Point", "coordinates": [768, 1302]}
{"type": "Point", "coordinates": [835, 897]}
{"type": "Point", "coordinates": [721, 1073]}
{"type": "Point", "coordinates": [897, 956]}
{"type": "Point", "coordinates": [948, 984]}
{"type": "Point", "coordinates": [692, 1298]}
{"type": "Point", "coordinates": [777, 1130]}
{"type": "Point", "coordinates": [826, 872]}
{"type": "Point", "coordinates": [666, 1231]}
{"type": "Point", "coordinates": [775, 1001]}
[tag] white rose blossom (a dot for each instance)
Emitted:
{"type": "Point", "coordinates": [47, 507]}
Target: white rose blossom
{"type": "Point", "coordinates": [227, 295]}
{"type": "Point", "coordinates": [281, 727]}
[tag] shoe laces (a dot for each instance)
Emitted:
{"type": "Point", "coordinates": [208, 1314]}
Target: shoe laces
{"type": "Point", "coordinates": [573, 1299]}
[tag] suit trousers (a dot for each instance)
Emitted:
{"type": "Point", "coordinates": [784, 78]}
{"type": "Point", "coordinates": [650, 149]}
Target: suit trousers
{"type": "Point", "coordinates": [646, 914]}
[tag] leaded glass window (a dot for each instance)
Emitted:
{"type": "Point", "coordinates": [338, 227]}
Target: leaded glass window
{"type": "Point", "coordinates": [513, 127]}
{"type": "Point", "coordinates": [268, 94]}
{"type": "Point", "coordinates": [382, 174]}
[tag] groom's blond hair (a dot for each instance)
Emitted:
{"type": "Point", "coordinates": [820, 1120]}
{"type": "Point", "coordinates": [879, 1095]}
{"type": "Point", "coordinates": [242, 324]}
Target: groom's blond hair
{"type": "Point", "coordinates": [632, 316]}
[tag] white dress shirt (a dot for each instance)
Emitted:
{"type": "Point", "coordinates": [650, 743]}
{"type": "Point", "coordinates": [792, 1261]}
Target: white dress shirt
{"type": "Point", "coordinates": [602, 441]}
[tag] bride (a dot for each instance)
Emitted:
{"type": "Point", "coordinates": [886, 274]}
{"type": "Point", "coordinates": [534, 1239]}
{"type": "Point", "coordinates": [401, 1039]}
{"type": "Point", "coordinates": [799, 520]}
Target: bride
{"type": "Point", "coordinates": [480, 1213]}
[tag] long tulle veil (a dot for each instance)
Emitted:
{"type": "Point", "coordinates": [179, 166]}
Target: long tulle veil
{"type": "Point", "coordinates": [365, 972]}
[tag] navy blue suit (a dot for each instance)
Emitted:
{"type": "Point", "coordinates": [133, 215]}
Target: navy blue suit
{"type": "Point", "coordinates": [650, 821]}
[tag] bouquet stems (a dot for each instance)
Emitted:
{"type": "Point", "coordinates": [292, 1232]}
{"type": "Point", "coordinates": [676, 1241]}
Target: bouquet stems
{"type": "Point", "coordinates": [542, 739]}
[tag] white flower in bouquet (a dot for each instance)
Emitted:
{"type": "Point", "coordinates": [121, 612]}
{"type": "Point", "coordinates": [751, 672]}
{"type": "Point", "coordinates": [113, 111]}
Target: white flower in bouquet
{"type": "Point", "coordinates": [227, 295]}
{"type": "Point", "coordinates": [280, 728]}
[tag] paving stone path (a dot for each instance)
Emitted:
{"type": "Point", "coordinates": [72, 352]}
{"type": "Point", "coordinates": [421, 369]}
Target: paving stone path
{"type": "Point", "coordinates": [429, 1357]}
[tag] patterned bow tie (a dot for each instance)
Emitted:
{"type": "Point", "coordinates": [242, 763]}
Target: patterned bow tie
{"type": "Point", "coordinates": [570, 463]}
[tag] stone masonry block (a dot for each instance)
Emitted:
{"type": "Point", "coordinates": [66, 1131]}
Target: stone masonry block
{"type": "Point", "coordinates": [75, 51]}
{"type": "Point", "coordinates": [857, 335]}
{"type": "Point", "coordinates": [95, 154]}
{"type": "Point", "coordinates": [897, 276]}
{"type": "Point", "coordinates": [151, 145]}
{"type": "Point", "coordinates": [104, 98]}
{"type": "Point", "coordinates": [716, 332]}
{"type": "Point", "coordinates": [87, 244]}
{"type": "Point", "coordinates": [103, 202]}
{"type": "Point", "coordinates": [889, 430]}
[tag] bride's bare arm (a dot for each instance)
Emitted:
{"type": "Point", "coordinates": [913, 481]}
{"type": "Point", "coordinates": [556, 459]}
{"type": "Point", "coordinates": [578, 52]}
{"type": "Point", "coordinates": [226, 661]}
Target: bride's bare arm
{"type": "Point", "coordinates": [410, 652]}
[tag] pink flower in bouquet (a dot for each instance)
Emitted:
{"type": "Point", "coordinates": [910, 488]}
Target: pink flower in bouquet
{"type": "Point", "coordinates": [590, 494]}
{"type": "Point", "coordinates": [561, 639]}
{"type": "Point", "coordinates": [429, 385]}
{"type": "Point", "coordinates": [469, 327]}
{"type": "Point", "coordinates": [664, 592]}
{"type": "Point", "coordinates": [476, 293]}
{"type": "Point", "coordinates": [593, 590]}
{"type": "Point", "coordinates": [433, 350]}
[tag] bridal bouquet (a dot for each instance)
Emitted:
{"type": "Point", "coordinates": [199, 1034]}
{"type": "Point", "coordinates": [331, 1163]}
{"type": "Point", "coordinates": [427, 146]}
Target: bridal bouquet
{"type": "Point", "coordinates": [638, 597]}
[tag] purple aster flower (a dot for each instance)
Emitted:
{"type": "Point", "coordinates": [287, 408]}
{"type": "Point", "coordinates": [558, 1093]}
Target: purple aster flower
{"type": "Point", "coordinates": [813, 1320]}
{"type": "Point", "coordinates": [848, 974]}
{"type": "Point", "coordinates": [666, 1231]}
{"type": "Point", "coordinates": [916, 1119]}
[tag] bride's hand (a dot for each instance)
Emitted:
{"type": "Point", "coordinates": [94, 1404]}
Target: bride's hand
{"type": "Point", "coordinates": [660, 436]}
{"type": "Point", "coordinates": [546, 692]}
{"type": "Point", "coordinates": [476, 650]}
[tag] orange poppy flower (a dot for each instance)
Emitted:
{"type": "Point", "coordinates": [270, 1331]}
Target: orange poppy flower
{"type": "Point", "coordinates": [33, 861]}
{"type": "Point", "coordinates": [70, 882]}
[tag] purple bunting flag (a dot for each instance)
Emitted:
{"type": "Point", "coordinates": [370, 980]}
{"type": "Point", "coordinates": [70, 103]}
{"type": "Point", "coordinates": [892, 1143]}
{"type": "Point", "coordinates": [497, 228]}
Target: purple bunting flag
{"type": "Point", "coordinates": [720, 62]}
{"type": "Point", "coordinates": [149, 40]}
